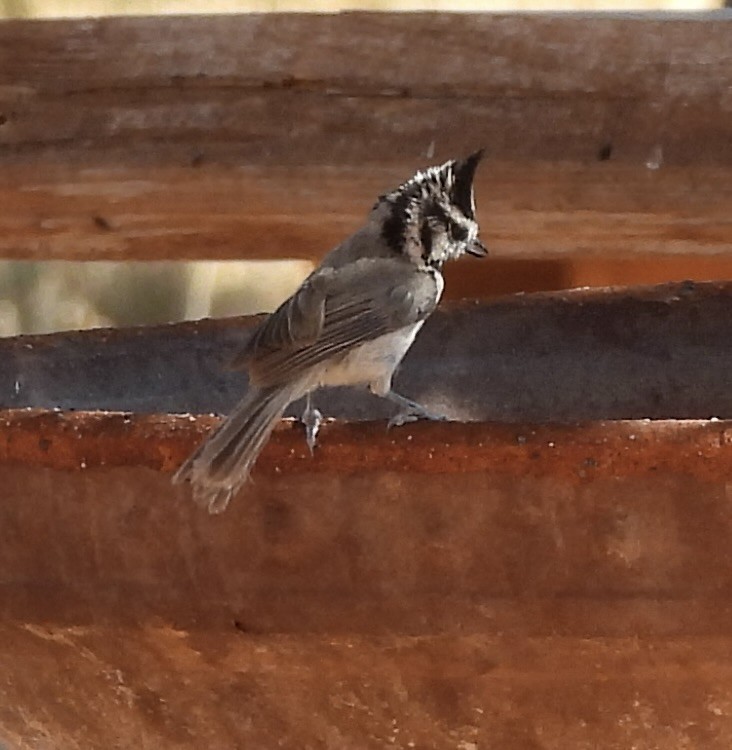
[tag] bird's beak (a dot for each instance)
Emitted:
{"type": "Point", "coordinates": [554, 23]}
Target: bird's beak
{"type": "Point", "coordinates": [478, 249]}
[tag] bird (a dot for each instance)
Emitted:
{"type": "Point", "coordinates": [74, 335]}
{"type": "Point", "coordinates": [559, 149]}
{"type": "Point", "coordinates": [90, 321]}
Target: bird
{"type": "Point", "coordinates": [349, 323]}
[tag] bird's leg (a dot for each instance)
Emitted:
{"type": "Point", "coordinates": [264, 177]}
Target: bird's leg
{"type": "Point", "coordinates": [312, 419]}
{"type": "Point", "coordinates": [410, 411]}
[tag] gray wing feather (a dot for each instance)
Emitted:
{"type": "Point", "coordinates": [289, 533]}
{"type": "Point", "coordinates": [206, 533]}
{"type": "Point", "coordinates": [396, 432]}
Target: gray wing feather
{"type": "Point", "coordinates": [296, 321]}
{"type": "Point", "coordinates": [335, 310]}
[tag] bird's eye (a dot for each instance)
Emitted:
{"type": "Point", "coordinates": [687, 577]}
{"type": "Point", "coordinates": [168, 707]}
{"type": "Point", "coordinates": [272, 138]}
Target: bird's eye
{"type": "Point", "coordinates": [458, 232]}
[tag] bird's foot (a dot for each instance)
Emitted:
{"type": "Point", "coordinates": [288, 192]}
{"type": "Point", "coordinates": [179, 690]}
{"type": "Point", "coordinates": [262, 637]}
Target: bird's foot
{"type": "Point", "coordinates": [410, 411]}
{"type": "Point", "coordinates": [312, 419]}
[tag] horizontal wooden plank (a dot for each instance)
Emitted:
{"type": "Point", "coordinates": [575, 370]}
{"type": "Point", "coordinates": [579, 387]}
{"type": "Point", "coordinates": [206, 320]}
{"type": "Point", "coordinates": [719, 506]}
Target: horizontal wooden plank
{"type": "Point", "coordinates": [370, 88]}
{"type": "Point", "coordinates": [545, 210]}
{"type": "Point", "coordinates": [270, 136]}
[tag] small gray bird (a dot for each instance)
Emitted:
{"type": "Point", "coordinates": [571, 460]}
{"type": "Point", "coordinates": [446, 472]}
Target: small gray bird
{"type": "Point", "coordinates": [350, 323]}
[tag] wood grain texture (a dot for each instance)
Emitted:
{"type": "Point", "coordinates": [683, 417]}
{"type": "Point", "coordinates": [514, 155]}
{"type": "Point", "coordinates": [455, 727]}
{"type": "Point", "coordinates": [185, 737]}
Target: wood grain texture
{"type": "Point", "coordinates": [526, 211]}
{"type": "Point", "coordinates": [355, 88]}
{"type": "Point", "coordinates": [266, 136]}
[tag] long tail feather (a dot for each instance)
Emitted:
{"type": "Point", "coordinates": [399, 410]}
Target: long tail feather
{"type": "Point", "coordinates": [221, 464]}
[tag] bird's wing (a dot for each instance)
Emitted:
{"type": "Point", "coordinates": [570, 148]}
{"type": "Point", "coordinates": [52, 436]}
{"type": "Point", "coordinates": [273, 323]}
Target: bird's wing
{"type": "Point", "coordinates": [334, 310]}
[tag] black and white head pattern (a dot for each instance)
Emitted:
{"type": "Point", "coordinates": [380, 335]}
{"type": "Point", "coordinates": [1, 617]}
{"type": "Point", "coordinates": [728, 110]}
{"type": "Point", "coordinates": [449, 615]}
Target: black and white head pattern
{"type": "Point", "coordinates": [431, 217]}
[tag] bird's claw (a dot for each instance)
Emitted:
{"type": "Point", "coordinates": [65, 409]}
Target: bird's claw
{"type": "Point", "coordinates": [412, 414]}
{"type": "Point", "coordinates": [312, 419]}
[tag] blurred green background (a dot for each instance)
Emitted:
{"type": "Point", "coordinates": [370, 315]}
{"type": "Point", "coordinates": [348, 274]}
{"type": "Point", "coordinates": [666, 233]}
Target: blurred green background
{"type": "Point", "coordinates": [63, 295]}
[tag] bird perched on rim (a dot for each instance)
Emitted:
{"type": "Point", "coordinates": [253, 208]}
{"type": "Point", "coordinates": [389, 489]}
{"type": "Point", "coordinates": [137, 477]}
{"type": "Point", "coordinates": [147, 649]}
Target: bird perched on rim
{"type": "Point", "coordinates": [350, 323]}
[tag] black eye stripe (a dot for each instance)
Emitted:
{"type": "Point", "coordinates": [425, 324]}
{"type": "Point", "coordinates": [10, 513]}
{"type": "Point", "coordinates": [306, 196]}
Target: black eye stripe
{"type": "Point", "coordinates": [458, 232]}
{"type": "Point", "coordinates": [425, 237]}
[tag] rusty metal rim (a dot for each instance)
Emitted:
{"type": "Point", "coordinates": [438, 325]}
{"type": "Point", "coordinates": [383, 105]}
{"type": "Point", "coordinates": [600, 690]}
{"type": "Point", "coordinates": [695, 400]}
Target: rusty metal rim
{"type": "Point", "coordinates": [88, 440]}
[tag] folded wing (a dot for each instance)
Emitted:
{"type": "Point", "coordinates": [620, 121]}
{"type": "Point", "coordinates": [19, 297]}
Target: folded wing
{"type": "Point", "coordinates": [334, 310]}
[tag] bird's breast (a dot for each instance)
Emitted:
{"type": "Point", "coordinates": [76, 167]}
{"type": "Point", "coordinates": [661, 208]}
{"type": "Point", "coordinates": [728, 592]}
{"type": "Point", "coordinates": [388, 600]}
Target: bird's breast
{"type": "Point", "coordinates": [372, 361]}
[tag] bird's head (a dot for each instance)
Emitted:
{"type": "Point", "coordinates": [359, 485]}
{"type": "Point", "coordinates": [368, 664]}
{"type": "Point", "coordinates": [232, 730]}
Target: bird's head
{"type": "Point", "coordinates": [431, 217]}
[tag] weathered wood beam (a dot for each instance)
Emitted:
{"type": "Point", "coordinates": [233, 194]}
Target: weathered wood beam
{"type": "Point", "coordinates": [545, 210]}
{"type": "Point", "coordinates": [270, 136]}
{"type": "Point", "coordinates": [369, 88]}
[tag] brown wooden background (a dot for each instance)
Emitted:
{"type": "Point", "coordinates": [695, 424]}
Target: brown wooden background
{"type": "Point", "coordinates": [269, 136]}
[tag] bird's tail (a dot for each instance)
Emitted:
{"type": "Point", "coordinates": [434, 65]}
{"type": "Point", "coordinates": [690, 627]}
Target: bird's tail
{"type": "Point", "coordinates": [221, 464]}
